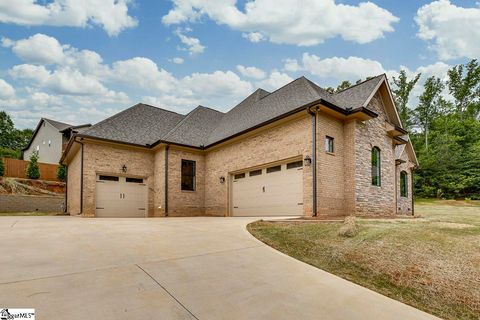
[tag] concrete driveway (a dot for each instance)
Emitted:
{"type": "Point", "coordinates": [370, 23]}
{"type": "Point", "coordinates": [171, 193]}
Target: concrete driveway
{"type": "Point", "coordinates": [175, 268]}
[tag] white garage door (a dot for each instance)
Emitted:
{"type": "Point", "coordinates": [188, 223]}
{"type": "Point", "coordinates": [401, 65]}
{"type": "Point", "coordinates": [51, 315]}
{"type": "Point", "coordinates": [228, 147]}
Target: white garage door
{"type": "Point", "coordinates": [272, 191]}
{"type": "Point", "coordinates": [120, 197]}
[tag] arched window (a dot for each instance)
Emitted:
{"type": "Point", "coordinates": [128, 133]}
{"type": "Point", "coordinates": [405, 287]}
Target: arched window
{"type": "Point", "coordinates": [376, 178]}
{"type": "Point", "coordinates": [403, 184]}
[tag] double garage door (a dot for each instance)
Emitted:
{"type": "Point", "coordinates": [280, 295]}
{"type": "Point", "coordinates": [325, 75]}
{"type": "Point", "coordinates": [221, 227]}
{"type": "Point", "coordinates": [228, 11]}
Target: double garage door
{"type": "Point", "coordinates": [120, 197]}
{"type": "Point", "coordinates": [276, 190]}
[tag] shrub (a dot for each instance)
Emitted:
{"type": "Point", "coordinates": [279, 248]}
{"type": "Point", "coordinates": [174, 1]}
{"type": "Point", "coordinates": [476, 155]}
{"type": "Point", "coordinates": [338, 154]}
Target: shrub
{"type": "Point", "coordinates": [33, 171]}
{"type": "Point", "coordinates": [349, 228]}
{"type": "Point", "coordinates": [61, 173]}
{"type": "Point", "coordinates": [9, 153]}
{"type": "Point", "coordinates": [2, 168]}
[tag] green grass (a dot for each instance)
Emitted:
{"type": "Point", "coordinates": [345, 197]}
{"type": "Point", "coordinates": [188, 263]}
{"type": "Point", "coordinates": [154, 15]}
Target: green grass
{"type": "Point", "coordinates": [31, 214]}
{"type": "Point", "coordinates": [431, 263]}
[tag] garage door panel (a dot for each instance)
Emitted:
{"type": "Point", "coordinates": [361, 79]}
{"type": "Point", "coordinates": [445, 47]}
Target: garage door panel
{"type": "Point", "coordinates": [269, 194]}
{"type": "Point", "coordinates": [120, 198]}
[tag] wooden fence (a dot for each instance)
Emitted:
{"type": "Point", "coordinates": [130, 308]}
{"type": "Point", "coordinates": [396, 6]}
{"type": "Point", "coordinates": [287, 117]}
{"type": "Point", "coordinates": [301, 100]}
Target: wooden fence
{"type": "Point", "coordinates": [18, 169]}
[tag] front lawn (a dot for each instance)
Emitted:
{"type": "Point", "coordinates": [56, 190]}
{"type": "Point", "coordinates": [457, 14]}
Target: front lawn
{"type": "Point", "coordinates": [431, 263]}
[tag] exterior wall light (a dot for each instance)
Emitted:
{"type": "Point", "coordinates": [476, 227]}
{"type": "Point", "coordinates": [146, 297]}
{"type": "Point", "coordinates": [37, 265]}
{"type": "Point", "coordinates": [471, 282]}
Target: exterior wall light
{"type": "Point", "coordinates": [222, 179]}
{"type": "Point", "coordinates": [307, 161]}
{"type": "Point", "coordinates": [124, 168]}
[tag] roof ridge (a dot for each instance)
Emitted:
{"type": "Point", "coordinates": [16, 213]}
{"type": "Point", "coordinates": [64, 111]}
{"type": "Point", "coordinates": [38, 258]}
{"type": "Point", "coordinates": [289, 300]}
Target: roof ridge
{"type": "Point", "coordinates": [185, 117]}
{"type": "Point", "coordinates": [114, 116]}
{"type": "Point", "coordinates": [149, 105]}
{"type": "Point", "coordinates": [357, 84]}
{"type": "Point", "coordinates": [47, 119]}
{"type": "Point", "coordinates": [209, 109]}
{"type": "Point", "coordinates": [309, 85]}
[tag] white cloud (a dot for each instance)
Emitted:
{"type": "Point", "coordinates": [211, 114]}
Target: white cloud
{"type": "Point", "coordinates": [307, 24]}
{"type": "Point", "coordinates": [291, 65]}
{"type": "Point", "coordinates": [274, 81]}
{"type": "Point", "coordinates": [251, 72]}
{"type": "Point", "coordinates": [38, 48]}
{"type": "Point", "coordinates": [111, 15]}
{"type": "Point", "coordinates": [454, 32]}
{"type": "Point", "coordinates": [6, 90]}
{"type": "Point", "coordinates": [351, 68]}
{"type": "Point", "coordinates": [253, 36]}
{"type": "Point", "coordinates": [177, 60]}
{"type": "Point", "coordinates": [193, 45]}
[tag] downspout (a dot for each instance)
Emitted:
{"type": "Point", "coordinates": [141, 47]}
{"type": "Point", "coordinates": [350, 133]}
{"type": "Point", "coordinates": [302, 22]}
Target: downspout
{"type": "Point", "coordinates": [166, 180]}
{"type": "Point", "coordinates": [412, 188]}
{"type": "Point", "coordinates": [66, 190]}
{"type": "Point", "coordinates": [314, 160]}
{"type": "Point", "coordinates": [81, 178]}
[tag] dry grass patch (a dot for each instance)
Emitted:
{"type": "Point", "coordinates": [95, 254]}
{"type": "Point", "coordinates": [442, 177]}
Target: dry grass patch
{"type": "Point", "coordinates": [432, 263]}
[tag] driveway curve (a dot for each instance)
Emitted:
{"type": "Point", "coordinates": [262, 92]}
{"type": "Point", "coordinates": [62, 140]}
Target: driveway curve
{"type": "Point", "coordinates": [173, 268]}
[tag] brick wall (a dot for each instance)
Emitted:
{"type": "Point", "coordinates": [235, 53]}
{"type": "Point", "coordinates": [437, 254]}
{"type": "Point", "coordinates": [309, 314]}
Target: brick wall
{"type": "Point", "coordinates": [107, 159]}
{"type": "Point", "coordinates": [292, 139]}
{"type": "Point", "coordinates": [73, 184]}
{"type": "Point", "coordinates": [21, 203]}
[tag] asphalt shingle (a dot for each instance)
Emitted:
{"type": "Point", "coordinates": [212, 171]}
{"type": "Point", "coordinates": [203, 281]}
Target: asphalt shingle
{"type": "Point", "coordinates": [144, 125]}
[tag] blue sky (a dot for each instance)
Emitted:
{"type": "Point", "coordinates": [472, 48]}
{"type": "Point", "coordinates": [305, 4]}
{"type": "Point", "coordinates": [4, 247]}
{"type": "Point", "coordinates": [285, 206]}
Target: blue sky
{"type": "Point", "coordinates": [83, 61]}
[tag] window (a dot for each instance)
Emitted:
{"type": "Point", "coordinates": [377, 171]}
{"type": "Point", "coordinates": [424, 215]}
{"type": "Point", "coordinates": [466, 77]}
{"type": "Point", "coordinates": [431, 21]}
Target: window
{"type": "Point", "coordinates": [255, 173]}
{"type": "Point", "coordinates": [239, 176]}
{"type": "Point", "coordinates": [296, 164]}
{"type": "Point", "coordinates": [376, 178]}
{"type": "Point", "coordinates": [329, 144]}
{"type": "Point", "coordinates": [188, 175]}
{"type": "Point", "coordinates": [403, 184]}
{"type": "Point", "coordinates": [274, 169]}
{"type": "Point", "coordinates": [134, 180]}
{"type": "Point", "coordinates": [108, 178]}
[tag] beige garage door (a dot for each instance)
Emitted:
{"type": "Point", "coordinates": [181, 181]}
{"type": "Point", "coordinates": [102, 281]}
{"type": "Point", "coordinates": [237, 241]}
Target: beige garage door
{"type": "Point", "coordinates": [120, 197]}
{"type": "Point", "coordinates": [271, 191]}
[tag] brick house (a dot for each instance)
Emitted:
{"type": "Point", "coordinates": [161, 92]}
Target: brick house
{"type": "Point", "coordinates": [296, 151]}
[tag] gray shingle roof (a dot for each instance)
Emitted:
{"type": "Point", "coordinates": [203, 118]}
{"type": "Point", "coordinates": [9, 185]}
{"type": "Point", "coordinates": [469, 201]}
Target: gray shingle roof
{"type": "Point", "coordinates": [141, 124]}
{"type": "Point", "coordinates": [253, 111]}
{"type": "Point", "coordinates": [57, 124]}
{"type": "Point", "coordinates": [356, 95]}
{"type": "Point", "coordinates": [195, 128]}
{"type": "Point", "coordinates": [145, 125]}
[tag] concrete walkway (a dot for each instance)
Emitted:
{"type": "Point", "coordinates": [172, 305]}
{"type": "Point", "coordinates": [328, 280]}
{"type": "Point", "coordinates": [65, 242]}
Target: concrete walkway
{"type": "Point", "coordinates": [175, 268]}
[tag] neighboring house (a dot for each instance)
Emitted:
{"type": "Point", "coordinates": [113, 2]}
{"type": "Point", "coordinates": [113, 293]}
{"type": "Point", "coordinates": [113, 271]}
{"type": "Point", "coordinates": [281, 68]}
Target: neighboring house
{"type": "Point", "coordinates": [49, 139]}
{"type": "Point", "coordinates": [296, 151]}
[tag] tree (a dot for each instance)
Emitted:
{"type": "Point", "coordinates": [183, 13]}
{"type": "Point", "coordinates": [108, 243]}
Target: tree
{"type": "Point", "coordinates": [430, 100]}
{"type": "Point", "coordinates": [7, 131]}
{"type": "Point", "coordinates": [33, 171]}
{"type": "Point", "coordinates": [2, 168]}
{"type": "Point", "coordinates": [465, 89]}
{"type": "Point", "coordinates": [62, 173]}
{"type": "Point", "coordinates": [401, 92]}
{"type": "Point", "coordinates": [344, 85]}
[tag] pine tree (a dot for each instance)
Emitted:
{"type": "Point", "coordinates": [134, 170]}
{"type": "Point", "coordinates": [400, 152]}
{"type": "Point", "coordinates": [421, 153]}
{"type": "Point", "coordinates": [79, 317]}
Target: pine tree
{"type": "Point", "coordinates": [33, 171]}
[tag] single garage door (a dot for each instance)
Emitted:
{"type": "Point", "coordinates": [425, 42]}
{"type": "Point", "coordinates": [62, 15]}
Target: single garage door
{"type": "Point", "coordinates": [120, 197]}
{"type": "Point", "coordinates": [272, 191]}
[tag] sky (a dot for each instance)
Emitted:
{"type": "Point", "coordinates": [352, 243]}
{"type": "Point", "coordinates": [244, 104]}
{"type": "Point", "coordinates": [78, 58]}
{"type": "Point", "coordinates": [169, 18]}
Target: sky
{"type": "Point", "coordinates": [82, 61]}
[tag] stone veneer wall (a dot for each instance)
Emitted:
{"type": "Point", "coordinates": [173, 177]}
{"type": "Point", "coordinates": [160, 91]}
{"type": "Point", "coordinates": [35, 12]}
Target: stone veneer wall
{"type": "Point", "coordinates": [404, 204]}
{"type": "Point", "coordinates": [369, 199]}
